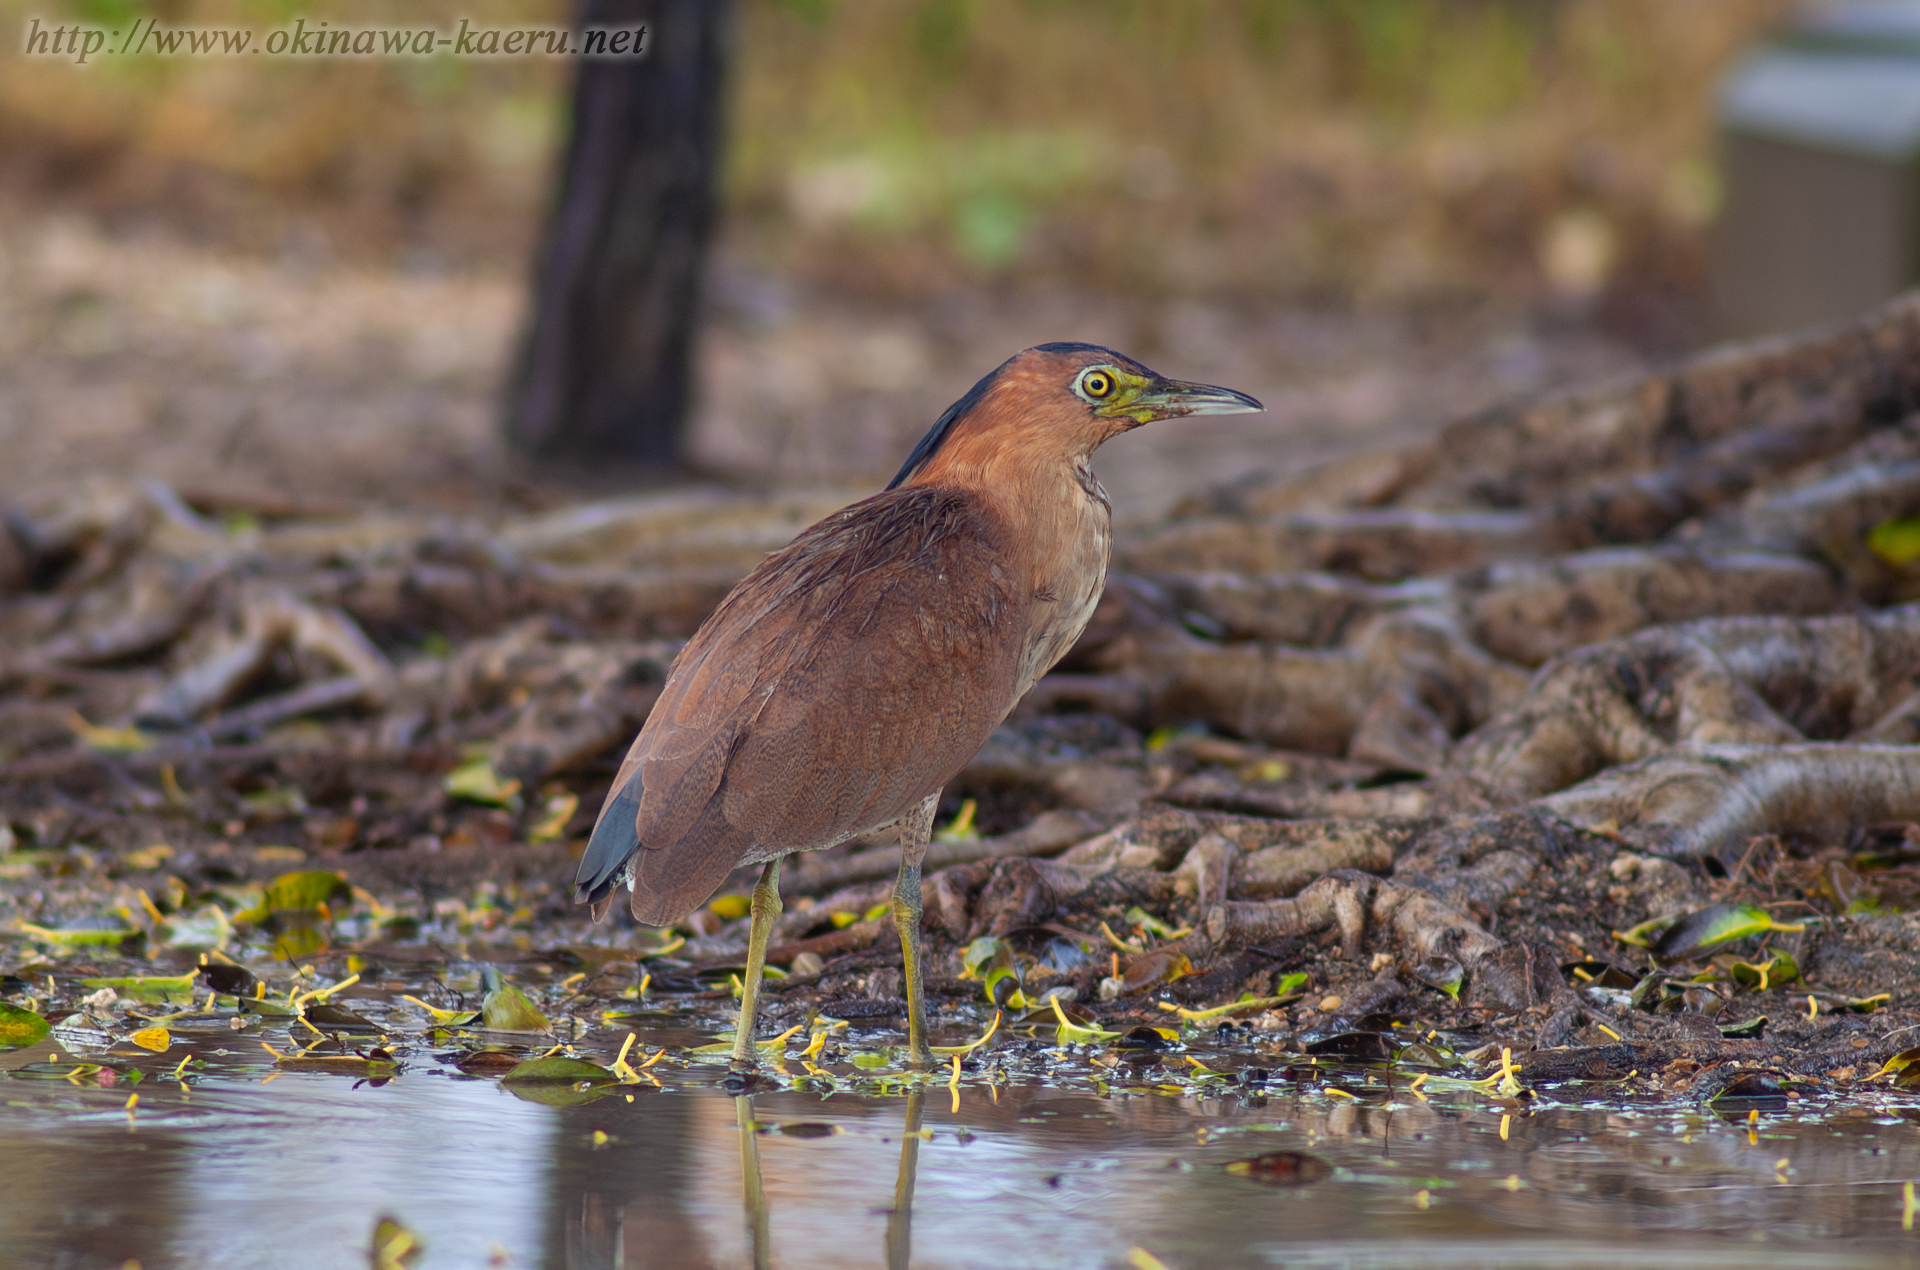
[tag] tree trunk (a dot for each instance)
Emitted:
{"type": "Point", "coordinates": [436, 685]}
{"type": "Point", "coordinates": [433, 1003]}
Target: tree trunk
{"type": "Point", "coordinates": [605, 373]}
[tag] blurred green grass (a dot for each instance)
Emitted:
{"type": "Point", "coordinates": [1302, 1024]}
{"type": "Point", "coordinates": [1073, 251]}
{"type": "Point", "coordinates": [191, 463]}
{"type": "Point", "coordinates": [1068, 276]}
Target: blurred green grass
{"type": "Point", "coordinates": [1389, 150]}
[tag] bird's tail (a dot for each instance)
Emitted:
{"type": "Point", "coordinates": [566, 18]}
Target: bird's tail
{"type": "Point", "coordinates": [608, 862]}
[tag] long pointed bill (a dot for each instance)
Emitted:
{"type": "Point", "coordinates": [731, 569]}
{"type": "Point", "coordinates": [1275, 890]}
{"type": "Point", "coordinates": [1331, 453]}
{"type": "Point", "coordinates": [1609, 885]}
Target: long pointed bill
{"type": "Point", "coordinates": [1171, 399]}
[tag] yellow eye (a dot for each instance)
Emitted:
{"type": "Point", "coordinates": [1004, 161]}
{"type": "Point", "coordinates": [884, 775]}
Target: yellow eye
{"type": "Point", "coordinates": [1096, 383]}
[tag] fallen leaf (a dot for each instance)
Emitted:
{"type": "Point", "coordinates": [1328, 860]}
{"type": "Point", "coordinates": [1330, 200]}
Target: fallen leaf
{"type": "Point", "coordinates": [20, 1028]}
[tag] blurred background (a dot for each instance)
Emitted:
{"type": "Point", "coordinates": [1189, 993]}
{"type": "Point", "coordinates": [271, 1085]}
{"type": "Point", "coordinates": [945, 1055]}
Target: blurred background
{"type": "Point", "coordinates": [272, 279]}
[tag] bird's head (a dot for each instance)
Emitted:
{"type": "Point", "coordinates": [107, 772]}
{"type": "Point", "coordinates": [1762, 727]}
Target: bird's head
{"type": "Point", "coordinates": [1067, 398]}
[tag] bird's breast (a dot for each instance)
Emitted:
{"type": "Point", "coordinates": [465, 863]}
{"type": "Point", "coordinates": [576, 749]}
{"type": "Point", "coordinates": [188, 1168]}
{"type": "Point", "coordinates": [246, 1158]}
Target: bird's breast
{"type": "Point", "coordinates": [1072, 536]}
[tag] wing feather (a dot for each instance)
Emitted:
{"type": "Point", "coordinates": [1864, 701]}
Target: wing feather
{"type": "Point", "coordinates": [853, 673]}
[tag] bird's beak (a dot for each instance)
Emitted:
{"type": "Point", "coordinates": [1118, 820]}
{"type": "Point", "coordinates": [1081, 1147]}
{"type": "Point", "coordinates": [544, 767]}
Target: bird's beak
{"type": "Point", "coordinates": [1172, 399]}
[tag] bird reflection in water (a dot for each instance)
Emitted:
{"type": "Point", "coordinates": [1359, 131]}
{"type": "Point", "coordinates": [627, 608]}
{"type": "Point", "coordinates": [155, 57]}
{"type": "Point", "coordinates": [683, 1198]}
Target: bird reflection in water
{"type": "Point", "coordinates": [899, 1218]}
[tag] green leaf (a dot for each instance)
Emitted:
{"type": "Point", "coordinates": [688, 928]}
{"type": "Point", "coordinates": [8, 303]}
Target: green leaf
{"type": "Point", "coordinates": [557, 1069]}
{"type": "Point", "coordinates": [20, 1028]}
{"type": "Point", "coordinates": [1699, 934]}
{"type": "Point", "coordinates": [1137, 916]}
{"type": "Point", "coordinates": [79, 935]}
{"type": "Point", "coordinates": [1776, 970]}
{"type": "Point", "coordinates": [477, 782]}
{"type": "Point", "coordinates": [314, 888]}
{"type": "Point", "coordinates": [1002, 984]}
{"type": "Point", "coordinates": [1896, 541]}
{"type": "Point", "coordinates": [979, 953]}
{"type": "Point", "coordinates": [147, 987]}
{"type": "Point", "coordinates": [507, 1009]}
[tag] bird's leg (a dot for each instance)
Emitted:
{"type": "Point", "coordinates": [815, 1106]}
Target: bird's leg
{"type": "Point", "coordinates": [915, 829]}
{"type": "Point", "coordinates": [766, 907]}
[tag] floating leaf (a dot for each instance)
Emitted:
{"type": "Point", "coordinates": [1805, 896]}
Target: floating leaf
{"type": "Point", "coordinates": [157, 1039]}
{"type": "Point", "coordinates": [805, 1129]}
{"type": "Point", "coordinates": [445, 1018]}
{"type": "Point", "coordinates": [267, 1008]}
{"type": "Point", "coordinates": [873, 1062]}
{"type": "Point", "coordinates": [327, 1015]}
{"type": "Point", "coordinates": [20, 1028]}
{"type": "Point", "coordinates": [86, 933]}
{"type": "Point", "coordinates": [309, 889]}
{"type": "Point", "coordinates": [507, 1009]}
{"type": "Point", "coordinates": [394, 1246]}
{"type": "Point", "coordinates": [1282, 1168]}
{"type": "Point", "coordinates": [477, 782]}
{"type": "Point", "coordinates": [488, 1062]}
{"type": "Point", "coordinates": [229, 979]}
{"type": "Point", "coordinates": [77, 1073]}
{"type": "Point", "coordinates": [373, 1062]}
{"type": "Point", "coordinates": [299, 939]}
{"type": "Point", "coordinates": [557, 1069]}
{"type": "Point", "coordinates": [146, 987]}
{"type": "Point", "coordinates": [1146, 1039]}
{"type": "Point", "coordinates": [1698, 934]}
{"type": "Point", "coordinates": [208, 928]}
{"type": "Point", "coordinates": [1776, 970]}
{"type": "Point", "coordinates": [1751, 1091]}
{"type": "Point", "coordinates": [1361, 1047]}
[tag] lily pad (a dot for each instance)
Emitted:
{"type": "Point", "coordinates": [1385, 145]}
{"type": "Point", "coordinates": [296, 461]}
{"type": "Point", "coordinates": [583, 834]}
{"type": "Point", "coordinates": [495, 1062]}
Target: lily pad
{"type": "Point", "coordinates": [20, 1028]}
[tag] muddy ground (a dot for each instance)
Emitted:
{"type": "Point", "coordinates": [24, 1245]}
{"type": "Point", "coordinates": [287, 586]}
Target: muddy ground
{"type": "Point", "coordinates": [1581, 729]}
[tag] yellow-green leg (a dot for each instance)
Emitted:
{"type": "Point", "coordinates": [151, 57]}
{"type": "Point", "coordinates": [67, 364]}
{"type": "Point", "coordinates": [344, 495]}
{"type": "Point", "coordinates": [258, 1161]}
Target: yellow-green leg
{"type": "Point", "coordinates": [915, 829]}
{"type": "Point", "coordinates": [900, 1221]}
{"type": "Point", "coordinates": [755, 1195]}
{"type": "Point", "coordinates": [766, 908]}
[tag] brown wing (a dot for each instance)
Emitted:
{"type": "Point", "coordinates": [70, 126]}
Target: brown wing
{"type": "Point", "coordinates": [850, 675]}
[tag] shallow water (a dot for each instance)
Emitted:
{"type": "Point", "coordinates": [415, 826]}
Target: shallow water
{"type": "Point", "coordinates": [1046, 1160]}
